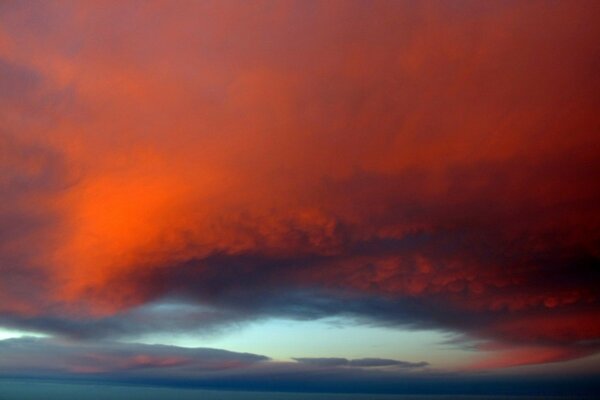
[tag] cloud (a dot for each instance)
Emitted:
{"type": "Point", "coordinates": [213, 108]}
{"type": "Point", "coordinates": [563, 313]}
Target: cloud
{"type": "Point", "coordinates": [47, 357]}
{"type": "Point", "coordinates": [383, 362]}
{"type": "Point", "coordinates": [407, 165]}
{"type": "Point", "coordinates": [323, 362]}
{"type": "Point", "coordinates": [359, 362]}
{"type": "Point", "coordinates": [27, 360]}
{"type": "Point", "coordinates": [32, 178]}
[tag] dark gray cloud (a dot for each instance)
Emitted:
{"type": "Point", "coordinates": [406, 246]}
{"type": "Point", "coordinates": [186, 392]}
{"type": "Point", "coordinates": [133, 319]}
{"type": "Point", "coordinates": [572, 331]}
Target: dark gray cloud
{"type": "Point", "coordinates": [50, 357]}
{"type": "Point", "coordinates": [359, 362]}
{"type": "Point", "coordinates": [384, 362]}
{"type": "Point", "coordinates": [323, 362]}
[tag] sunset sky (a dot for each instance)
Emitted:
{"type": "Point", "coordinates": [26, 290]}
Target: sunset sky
{"type": "Point", "coordinates": [320, 195]}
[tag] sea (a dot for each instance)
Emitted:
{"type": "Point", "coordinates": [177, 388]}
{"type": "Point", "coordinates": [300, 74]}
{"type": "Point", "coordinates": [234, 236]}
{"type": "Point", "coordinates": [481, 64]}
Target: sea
{"type": "Point", "coordinates": [35, 390]}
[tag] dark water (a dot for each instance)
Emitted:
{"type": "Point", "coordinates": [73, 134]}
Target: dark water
{"type": "Point", "coordinates": [26, 390]}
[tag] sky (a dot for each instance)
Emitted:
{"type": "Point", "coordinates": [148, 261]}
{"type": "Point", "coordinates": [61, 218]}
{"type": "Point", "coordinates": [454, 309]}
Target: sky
{"type": "Point", "coordinates": [375, 196]}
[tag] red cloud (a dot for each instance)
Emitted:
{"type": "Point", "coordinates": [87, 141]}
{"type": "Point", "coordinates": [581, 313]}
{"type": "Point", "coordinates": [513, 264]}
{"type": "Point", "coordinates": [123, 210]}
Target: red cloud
{"type": "Point", "coordinates": [444, 158]}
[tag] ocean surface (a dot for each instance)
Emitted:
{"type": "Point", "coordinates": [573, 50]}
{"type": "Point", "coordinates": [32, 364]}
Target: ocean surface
{"type": "Point", "coordinates": [27, 390]}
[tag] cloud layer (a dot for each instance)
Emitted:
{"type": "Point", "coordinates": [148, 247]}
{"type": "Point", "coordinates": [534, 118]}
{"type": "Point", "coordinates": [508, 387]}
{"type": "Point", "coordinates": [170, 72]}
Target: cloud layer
{"type": "Point", "coordinates": [28, 360]}
{"type": "Point", "coordinates": [423, 165]}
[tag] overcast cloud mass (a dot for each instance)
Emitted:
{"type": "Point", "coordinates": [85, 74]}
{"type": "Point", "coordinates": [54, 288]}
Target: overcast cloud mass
{"type": "Point", "coordinates": [194, 166]}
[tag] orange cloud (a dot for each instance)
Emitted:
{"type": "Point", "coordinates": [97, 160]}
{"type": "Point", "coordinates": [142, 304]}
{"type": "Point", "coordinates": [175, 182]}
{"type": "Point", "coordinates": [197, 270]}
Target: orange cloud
{"type": "Point", "coordinates": [444, 154]}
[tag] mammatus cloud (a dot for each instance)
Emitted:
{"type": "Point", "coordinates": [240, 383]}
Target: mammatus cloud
{"type": "Point", "coordinates": [408, 164]}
